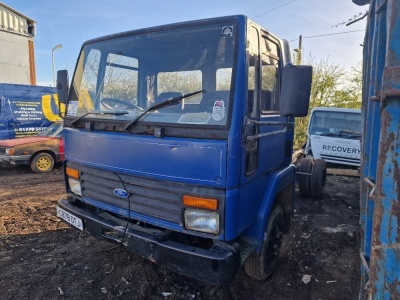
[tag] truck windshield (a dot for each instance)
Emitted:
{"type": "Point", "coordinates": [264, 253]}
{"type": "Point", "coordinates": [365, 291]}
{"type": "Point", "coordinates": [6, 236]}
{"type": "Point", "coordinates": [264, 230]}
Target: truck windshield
{"type": "Point", "coordinates": [134, 71]}
{"type": "Point", "coordinates": [336, 123]}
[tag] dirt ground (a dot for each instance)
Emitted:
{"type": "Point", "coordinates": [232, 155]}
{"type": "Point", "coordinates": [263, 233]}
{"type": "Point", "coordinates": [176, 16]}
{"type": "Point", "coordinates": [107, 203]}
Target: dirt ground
{"type": "Point", "coordinates": [43, 258]}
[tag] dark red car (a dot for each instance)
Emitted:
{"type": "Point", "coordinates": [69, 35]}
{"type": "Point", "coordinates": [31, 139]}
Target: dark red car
{"type": "Point", "coordinates": [41, 152]}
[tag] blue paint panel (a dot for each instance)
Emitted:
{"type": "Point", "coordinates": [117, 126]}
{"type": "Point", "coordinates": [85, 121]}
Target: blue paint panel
{"type": "Point", "coordinates": [232, 213]}
{"type": "Point", "coordinates": [183, 160]}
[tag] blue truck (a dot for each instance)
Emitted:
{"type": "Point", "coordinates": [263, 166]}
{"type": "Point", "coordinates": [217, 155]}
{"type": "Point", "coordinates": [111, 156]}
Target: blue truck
{"type": "Point", "coordinates": [178, 144]}
{"type": "Point", "coordinates": [25, 110]}
{"type": "Point", "coordinates": [380, 156]}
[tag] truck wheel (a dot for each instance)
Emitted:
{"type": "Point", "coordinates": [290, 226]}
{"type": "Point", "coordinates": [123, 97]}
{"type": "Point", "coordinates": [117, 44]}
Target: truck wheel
{"type": "Point", "coordinates": [261, 265]}
{"type": "Point", "coordinates": [305, 166]}
{"type": "Point", "coordinates": [318, 178]}
{"type": "Point", "coordinates": [42, 162]}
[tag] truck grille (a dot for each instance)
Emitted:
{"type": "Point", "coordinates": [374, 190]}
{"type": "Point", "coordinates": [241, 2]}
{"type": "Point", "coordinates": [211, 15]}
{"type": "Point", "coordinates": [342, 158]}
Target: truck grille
{"type": "Point", "coordinates": [151, 197]}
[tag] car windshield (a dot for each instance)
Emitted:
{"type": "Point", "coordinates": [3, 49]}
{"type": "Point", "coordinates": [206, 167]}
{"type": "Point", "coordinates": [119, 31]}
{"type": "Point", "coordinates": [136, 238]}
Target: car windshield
{"type": "Point", "coordinates": [54, 130]}
{"type": "Point", "coordinates": [336, 123]}
{"type": "Point", "coordinates": [124, 76]}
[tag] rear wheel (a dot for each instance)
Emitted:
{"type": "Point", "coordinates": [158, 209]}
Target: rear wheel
{"type": "Point", "coordinates": [318, 178]}
{"type": "Point", "coordinates": [304, 180]}
{"type": "Point", "coordinates": [42, 162]}
{"type": "Point", "coordinates": [261, 265]}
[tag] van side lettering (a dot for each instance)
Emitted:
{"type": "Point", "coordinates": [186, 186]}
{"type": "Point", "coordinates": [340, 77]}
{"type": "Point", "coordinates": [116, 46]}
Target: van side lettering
{"type": "Point", "coordinates": [341, 149]}
{"type": "Point", "coordinates": [47, 108]}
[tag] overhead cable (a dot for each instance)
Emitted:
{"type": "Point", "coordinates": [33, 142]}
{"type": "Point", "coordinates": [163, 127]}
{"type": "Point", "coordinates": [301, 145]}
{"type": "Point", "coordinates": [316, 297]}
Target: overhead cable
{"type": "Point", "coordinates": [321, 35]}
{"type": "Point", "coordinates": [268, 11]}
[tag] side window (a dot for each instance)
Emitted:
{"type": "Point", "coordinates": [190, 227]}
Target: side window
{"type": "Point", "coordinates": [270, 73]}
{"type": "Point", "coordinates": [253, 74]}
{"type": "Point", "coordinates": [121, 78]}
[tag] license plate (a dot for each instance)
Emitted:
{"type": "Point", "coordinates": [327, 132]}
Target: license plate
{"type": "Point", "coordinates": [71, 219]}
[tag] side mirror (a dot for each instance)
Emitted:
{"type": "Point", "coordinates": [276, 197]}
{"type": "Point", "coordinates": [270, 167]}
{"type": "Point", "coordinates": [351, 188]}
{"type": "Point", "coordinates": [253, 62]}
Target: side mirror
{"type": "Point", "coordinates": [62, 86]}
{"type": "Point", "coordinates": [296, 90]}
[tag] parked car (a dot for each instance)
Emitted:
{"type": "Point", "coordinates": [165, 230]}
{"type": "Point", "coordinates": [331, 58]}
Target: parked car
{"type": "Point", "coordinates": [41, 152]}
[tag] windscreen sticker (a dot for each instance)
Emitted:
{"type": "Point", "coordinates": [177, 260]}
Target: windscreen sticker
{"type": "Point", "coordinates": [72, 108]}
{"type": "Point", "coordinates": [218, 112]}
{"type": "Point", "coordinates": [227, 30]}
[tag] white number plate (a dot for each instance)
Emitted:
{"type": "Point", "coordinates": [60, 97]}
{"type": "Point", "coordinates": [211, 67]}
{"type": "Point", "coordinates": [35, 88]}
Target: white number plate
{"type": "Point", "coordinates": [71, 219]}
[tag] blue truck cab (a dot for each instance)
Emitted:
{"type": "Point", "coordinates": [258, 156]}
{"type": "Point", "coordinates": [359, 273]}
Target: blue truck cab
{"type": "Point", "coordinates": [178, 144]}
{"type": "Point", "coordinates": [26, 110]}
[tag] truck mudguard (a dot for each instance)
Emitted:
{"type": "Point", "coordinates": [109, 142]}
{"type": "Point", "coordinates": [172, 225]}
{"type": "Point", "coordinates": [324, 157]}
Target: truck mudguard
{"type": "Point", "coordinates": [277, 183]}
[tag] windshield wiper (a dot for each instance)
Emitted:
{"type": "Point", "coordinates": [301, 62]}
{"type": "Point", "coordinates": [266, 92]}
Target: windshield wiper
{"type": "Point", "coordinates": [350, 134]}
{"type": "Point", "coordinates": [101, 112]}
{"type": "Point", "coordinates": [328, 134]}
{"type": "Point", "coordinates": [168, 102]}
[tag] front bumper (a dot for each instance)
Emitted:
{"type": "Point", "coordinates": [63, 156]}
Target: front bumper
{"type": "Point", "coordinates": [217, 265]}
{"type": "Point", "coordinates": [16, 159]}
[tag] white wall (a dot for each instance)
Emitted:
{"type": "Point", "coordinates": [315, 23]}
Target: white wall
{"type": "Point", "coordinates": [14, 59]}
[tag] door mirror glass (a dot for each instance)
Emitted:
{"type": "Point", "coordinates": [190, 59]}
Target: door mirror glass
{"type": "Point", "coordinates": [296, 89]}
{"type": "Point", "coordinates": [62, 86]}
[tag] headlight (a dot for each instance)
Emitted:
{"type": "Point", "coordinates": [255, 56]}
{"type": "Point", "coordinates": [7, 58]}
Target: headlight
{"type": "Point", "coordinates": [201, 220]}
{"type": "Point", "coordinates": [10, 151]}
{"type": "Point", "coordinates": [75, 186]}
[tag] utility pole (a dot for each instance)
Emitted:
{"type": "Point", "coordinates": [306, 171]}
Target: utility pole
{"type": "Point", "coordinates": [52, 61]}
{"type": "Point", "coordinates": [299, 56]}
{"type": "Point", "coordinates": [298, 50]}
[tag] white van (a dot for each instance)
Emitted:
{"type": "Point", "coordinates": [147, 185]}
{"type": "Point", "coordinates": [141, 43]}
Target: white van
{"type": "Point", "coordinates": [333, 137]}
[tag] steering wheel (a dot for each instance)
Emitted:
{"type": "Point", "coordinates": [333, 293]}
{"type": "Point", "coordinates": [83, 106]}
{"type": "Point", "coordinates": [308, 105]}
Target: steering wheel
{"type": "Point", "coordinates": [113, 103]}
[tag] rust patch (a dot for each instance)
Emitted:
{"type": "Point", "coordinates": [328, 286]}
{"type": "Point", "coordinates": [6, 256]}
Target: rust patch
{"type": "Point", "coordinates": [391, 80]}
{"type": "Point", "coordinates": [373, 275]}
{"type": "Point", "coordinates": [395, 209]}
{"type": "Point", "coordinates": [386, 144]}
{"type": "Point", "coordinates": [394, 289]}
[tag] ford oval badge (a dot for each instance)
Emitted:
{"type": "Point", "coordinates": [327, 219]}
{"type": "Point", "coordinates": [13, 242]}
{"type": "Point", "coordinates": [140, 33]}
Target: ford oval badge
{"type": "Point", "coordinates": [121, 193]}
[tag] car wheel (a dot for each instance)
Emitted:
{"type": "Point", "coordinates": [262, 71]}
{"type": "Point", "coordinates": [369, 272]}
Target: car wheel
{"type": "Point", "coordinates": [42, 162]}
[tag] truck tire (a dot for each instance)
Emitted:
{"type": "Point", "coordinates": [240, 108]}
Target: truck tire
{"type": "Point", "coordinates": [42, 162]}
{"type": "Point", "coordinates": [318, 178]}
{"type": "Point", "coordinates": [261, 265]}
{"type": "Point", "coordinates": [305, 166]}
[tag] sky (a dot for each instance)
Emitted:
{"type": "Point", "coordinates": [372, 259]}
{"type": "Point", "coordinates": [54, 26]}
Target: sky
{"type": "Point", "coordinates": [72, 22]}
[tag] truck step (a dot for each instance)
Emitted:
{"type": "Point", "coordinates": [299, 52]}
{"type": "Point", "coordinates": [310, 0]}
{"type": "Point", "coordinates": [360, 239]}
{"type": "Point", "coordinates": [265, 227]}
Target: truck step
{"type": "Point", "coordinates": [247, 247]}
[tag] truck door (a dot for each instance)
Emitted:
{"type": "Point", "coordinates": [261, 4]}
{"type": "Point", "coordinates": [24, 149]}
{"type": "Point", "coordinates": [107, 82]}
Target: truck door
{"type": "Point", "coordinates": [272, 142]}
{"type": "Point", "coordinates": [264, 143]}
